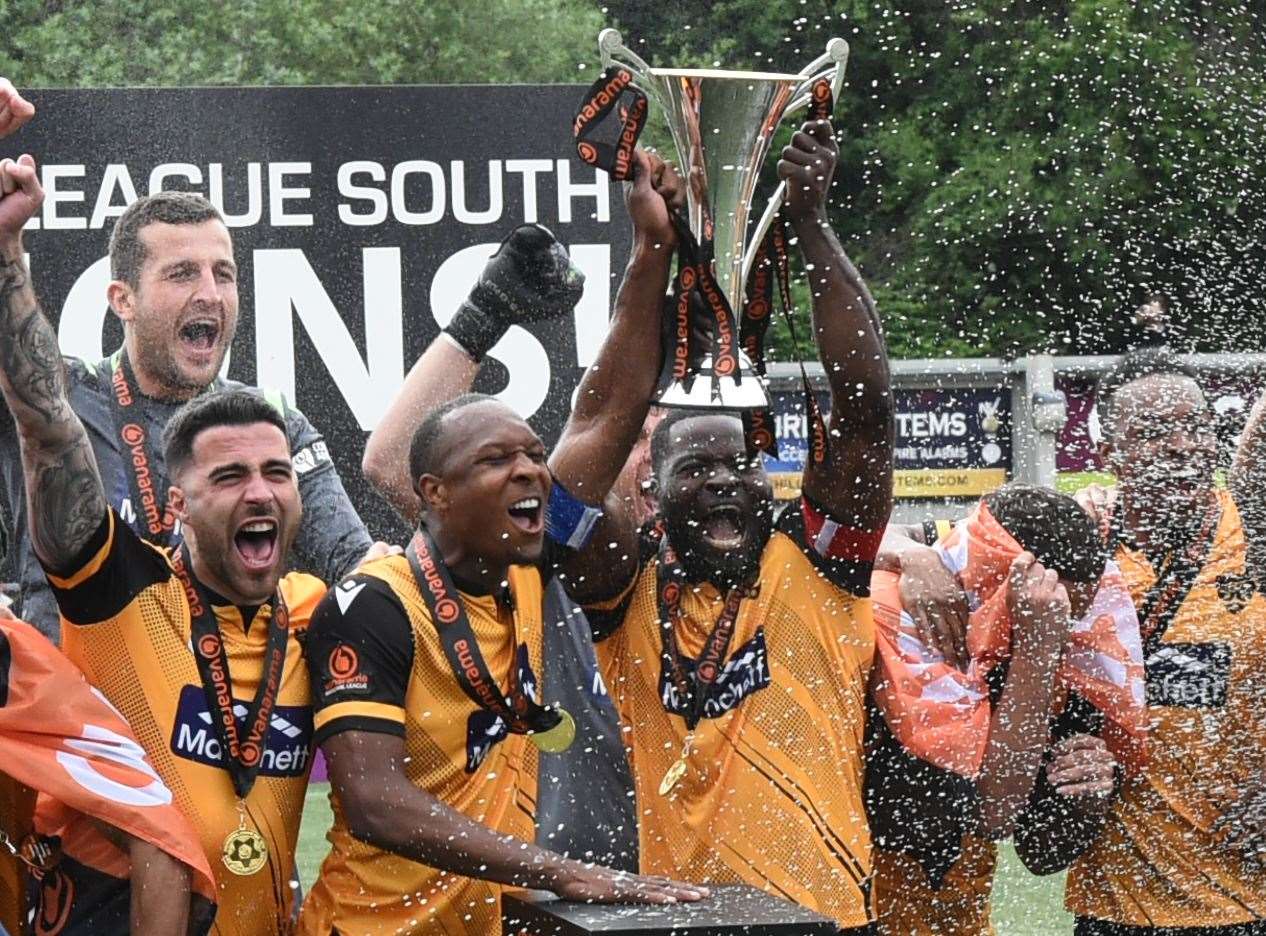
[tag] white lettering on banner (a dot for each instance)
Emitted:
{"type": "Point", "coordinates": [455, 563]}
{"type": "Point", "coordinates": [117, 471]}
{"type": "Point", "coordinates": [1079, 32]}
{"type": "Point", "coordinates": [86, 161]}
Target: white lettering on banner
{"type": "Point", "coordinates": [415, 192]}
{"type": "Point", "coordinates": [279, 193]}
{"type": "Point", "coordinates": [530, 168]}
{"type": "Point", "coordinates": [101, 742]}
{"type": "Point", "coordinates": [84, 312]}
{"type": "Point", "coordinates": [55, 194]}
{"type": "Point", "coordinates": [495, 203]}
{"type": "Point", "coordinates": [348, 189]}
{"type": "Point", "coordinates": [254, 195]}
{"type": "Point", "coordinates": [286, 282]}
{"type": "Point", "coordinates": [439, 192]}
{"type": "Point", "coordinates": [286, 285]}
{"type": "Point", "coordinates": [116, 176]}
{"type": "Point", "coordinates": [524, 357]}
{"type": "Point", "coordinates": [598, 190]}
{"type": "Point", "coordinates": [592, 312]}
{"type": "Point", "coordinates": [164, 171]}
{"type": "Point", "coordinates": [927, 425]}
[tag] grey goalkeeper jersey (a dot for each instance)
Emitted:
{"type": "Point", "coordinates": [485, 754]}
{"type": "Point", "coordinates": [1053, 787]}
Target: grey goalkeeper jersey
{"type": "Point", "coordinates": [330, 542]}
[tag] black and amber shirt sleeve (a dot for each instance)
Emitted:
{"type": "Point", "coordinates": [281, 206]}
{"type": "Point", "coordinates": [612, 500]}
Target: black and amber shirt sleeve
{"type": "Point", "coordinates": [842, 552]}
{"type": "Point", "coordinates": [360, 655]}
{"type": "Point", "coordinates": [114, 567]}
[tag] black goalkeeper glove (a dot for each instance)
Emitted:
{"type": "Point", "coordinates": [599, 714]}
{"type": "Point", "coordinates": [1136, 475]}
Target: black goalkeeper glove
{"type": "Point", "coordinates": [528, 279]}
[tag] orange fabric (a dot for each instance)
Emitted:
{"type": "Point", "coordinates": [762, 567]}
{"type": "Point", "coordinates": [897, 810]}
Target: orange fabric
{"type": "Point", "coordinates": [941, 715]}
{"type": "Point", "coordinates": [60, 737]}
{"type": "Point", "coordinates": [906, 904]}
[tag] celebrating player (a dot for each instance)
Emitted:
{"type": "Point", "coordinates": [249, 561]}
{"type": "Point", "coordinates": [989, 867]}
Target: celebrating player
{"type": "Point", "coordinates": [1184, 846]}
{"type": "Point", "coordinates": [1010, 741]}
{"type": "Point", "coordinates": [427, 666]}
{"type": "Point", "coordinates": [745, 716]}
{"type": "Point", "coordinates": [174, 287]}
{"type": "Point", "coordinates": [195, 645]}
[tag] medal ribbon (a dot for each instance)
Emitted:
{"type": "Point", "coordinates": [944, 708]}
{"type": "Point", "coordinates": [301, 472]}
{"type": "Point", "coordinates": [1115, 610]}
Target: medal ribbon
{"type": "Point", "coordinates": [692, 688]}
{"type": "Point", "coordinates": [772, 257]}
{"type": "Point", "coordinates": [148, 503]}
{"type": "Point", "coordinates": [1176, 573]}
{"type": "Point", "coordinates": [520, 714]}
{"type": "Point", "coordinates": [702, 320]}
{"type": "Point", "coordinates": [242, 755]}
{"type": "Point", "coordinates": [599, 101]}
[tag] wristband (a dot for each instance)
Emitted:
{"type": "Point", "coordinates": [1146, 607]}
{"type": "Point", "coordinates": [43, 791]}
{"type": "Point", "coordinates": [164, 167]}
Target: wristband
{"type": "Point", "coordinates": [475, 330]}
{"type": "Point", "coordinates": [569, 521]}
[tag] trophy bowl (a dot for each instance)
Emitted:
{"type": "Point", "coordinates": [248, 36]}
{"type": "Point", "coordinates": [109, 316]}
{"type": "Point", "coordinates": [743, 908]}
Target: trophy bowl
{"type": "Point", "coordinates": [722, 124]}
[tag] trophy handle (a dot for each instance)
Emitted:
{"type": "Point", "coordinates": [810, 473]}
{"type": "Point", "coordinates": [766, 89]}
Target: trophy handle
{"type": "Point", "coordinates": [614, 52]}
{"type": "Point", "coordinates": [833, 61]}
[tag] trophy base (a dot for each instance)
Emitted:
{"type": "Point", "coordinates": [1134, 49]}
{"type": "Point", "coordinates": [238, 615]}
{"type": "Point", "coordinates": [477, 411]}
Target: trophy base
{"type": "Point", "coordinates": [709, 391]}
{"type": "Point", "coordinates": [732, 909]}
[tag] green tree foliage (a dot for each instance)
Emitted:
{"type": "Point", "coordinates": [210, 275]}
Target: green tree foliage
{"type": "Point", "coordinates": [46, 43]}
{"type": "Point", "coordinates": [1015, 175]}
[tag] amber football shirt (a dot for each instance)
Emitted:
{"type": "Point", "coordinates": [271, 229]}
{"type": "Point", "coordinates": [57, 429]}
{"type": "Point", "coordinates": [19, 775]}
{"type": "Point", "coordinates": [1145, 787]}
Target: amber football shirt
{"type": "Point", "coordinates": [125, 622]}
{"type": "Point", "coordinates": [377, 665]}
{"type": "Point", "coordinates": [773, 796]}
{"type": "Point", "coordinates": [1159, 861]}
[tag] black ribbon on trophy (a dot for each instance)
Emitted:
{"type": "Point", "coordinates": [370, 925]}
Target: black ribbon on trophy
{"type": "Point", "coordinates": [699, 320]}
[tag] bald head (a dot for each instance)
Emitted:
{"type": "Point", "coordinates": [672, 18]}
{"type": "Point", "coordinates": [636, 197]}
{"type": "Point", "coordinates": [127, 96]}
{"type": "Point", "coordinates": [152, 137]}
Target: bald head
{"type": "Point", "coordinates": [446, 427]}
{"type": "Point", "coordinates": [1156, 398]}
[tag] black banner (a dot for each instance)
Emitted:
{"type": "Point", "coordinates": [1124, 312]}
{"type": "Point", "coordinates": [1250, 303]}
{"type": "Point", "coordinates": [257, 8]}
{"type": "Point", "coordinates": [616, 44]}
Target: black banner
{"type": "Point", "coordinates": [360, 219]}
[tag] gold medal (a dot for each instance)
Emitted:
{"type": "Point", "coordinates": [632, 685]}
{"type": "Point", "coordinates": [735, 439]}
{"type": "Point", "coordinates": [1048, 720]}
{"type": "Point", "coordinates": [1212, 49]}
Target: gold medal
{"type": "Point", "coordinates": [673, 776]}
{"type": "Point", "coordinates": [245, 852]}
{"type": "Point", "coordinates": [678, 770]}
{"type": "Point", "coordinates": [556, 739]}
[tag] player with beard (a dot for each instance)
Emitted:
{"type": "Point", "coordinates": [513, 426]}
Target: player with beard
{"type": "Point", "coordinates": [195, 645]}
{"type": "Point", "coordinates": [174, 288]}
{"type": "Point", "coordinates": [1182, 849]}
{"type": "Point", "coordinates": [745, 717]}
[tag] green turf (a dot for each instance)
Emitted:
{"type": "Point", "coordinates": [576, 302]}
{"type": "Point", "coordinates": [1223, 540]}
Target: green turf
{"type": "Point", "coordinates": [316, 822]}
{"type": "Point", "coordinates": [1023, 905]}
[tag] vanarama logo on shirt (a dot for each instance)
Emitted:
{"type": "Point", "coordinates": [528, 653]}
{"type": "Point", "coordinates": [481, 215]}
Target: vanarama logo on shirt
{"type": "Point", "coordinates": [288, 746]}
{"type": "Point", "coordinates": [747, 671]}
{"type": "Point", "coordinates": [484, 730]}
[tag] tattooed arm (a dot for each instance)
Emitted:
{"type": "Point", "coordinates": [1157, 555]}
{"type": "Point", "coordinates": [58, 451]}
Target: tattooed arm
{"type": "Point", "coordinates": [65, 498]}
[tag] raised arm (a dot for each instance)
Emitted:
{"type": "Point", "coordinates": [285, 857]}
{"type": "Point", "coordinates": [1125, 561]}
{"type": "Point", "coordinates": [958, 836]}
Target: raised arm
{"type": "Point", "coordinates": [614, 396]}
{"type": "Point", "coordinates": [528, 279]}
{"type": "Point", "coordinates": [65, 499]}
{"type": "Point", "coordinates": [855, 487]}
{"type": "Point", "coordinates": [1018, 728]}
{"type": "Point", "coordinates": [444, 372]}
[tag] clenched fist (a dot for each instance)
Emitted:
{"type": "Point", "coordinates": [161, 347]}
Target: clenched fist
{"type": "Point", "coordinates": [14, 109]}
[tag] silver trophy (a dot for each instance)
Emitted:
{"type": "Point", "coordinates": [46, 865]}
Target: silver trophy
{"type": "Point", "coordinates": [722, 123]}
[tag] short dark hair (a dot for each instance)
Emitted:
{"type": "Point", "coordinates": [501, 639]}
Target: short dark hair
{"type": "Point", "coordinates": [661, 437]}
{"type": "Point", "coordinates": [234, 407]}
{"type": "Point", "coordinates": [127, 250]}
{"type": "Point", "coordinates": [427, 449]}
{"type": "Point", "coordinates": [1053, 527]}
{"type": "Point", "coordinates": [1136, 365]}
